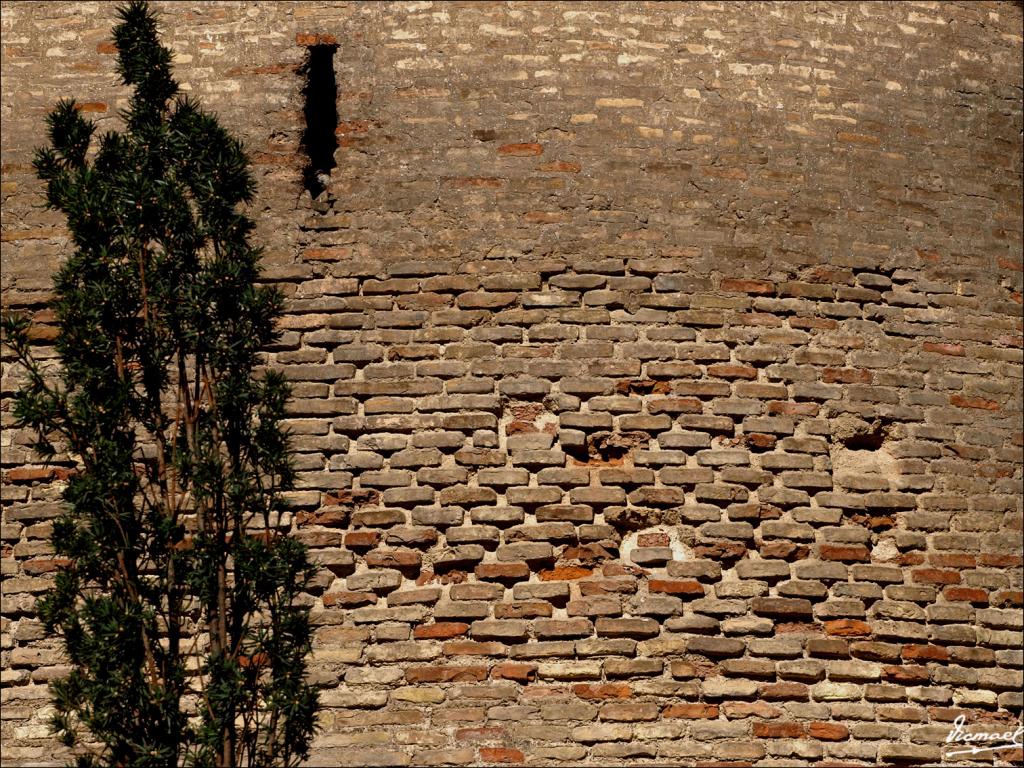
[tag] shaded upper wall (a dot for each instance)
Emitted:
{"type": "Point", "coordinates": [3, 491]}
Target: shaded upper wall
{"type": "Point", "coordinates": [766, 137]}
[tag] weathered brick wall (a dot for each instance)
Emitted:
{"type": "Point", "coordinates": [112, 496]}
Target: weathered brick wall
{"type": "Point", "coordinates": [657, 368]}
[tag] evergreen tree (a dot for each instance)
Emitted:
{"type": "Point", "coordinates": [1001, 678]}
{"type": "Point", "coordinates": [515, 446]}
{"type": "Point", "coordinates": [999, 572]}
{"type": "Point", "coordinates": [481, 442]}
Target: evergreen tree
{"type": "Point", "coordinates": [181, 609]}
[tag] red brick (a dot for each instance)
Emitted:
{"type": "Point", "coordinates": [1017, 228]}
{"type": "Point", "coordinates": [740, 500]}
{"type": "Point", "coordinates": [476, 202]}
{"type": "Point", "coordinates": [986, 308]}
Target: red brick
{"type": "Point", "coordinates": [560, 166]}
{"type": "Point", "coordinates": [734, 285]}
{"type": "Point", "coordinates": [828, 731]}
{"type": "Point", "coordinates": [352, 126]}
{"type": "Point", "coordinates": [857, 138]}
{"type": "Point", "coordinates": [732, 371]}
{"type": "Point", "coordinates": [847, 554]}
{"type": "Point", "coordinates": [934, 576]}
{"type": "Point", "coordinates": [925, 653]}
{"type": "Point", "coordinates": [315, 39]}
{"type": "Point", "coordinates": [472, 648]}
{"type": "Point", "coordinates": [1000, 560]}
{"type": "Point", "coordinates": [336, 253]}
{"type": "Point", "coordinates": [587, 553]}
{"type": "Point", "coordinates": [943, 348]}
{"type": "Point", "coordinates": [398, 559]}
{"type": "Point", "coordinates": [601, 691]}
{"type": "Point", "coordinates": [981, 403]}
{"type": "Point", "coordinates": [819, 323]}
{"type": "Point", "coordinates": [256, 660]}
{"type": "Point", "coordinates": [27, 474]}
{"type": "Point", "coordinates": [440, 631]}
{"type": "Point", "coordinates": [362, 539]}
{"type": "Point", "coordinates": [908, 673]}
{"type": "Point", "coordinates": [778, 731]}
{"type": "Point", "coordinates": [522, 673]}
{"type": "Point", "coordinates": [520, 150]}
{"type": "Point", "coordinates": [23, 474]}
{"type": "Point", "coordinates": [846, 376]}
{"type": "Point", "coordinates": [911, 558]}
{"type": "Point", "coordinates": [760, 440]}
{"type": "Point", "coordinates": [847, 628]}
{"type": "Point", "coordinates": [545, 217]}
{"type": "Point", "coordinates": [565, 573]}
{"type": "Point", "coordinates": [952, 560]}
{"type": "Point", "coordinates": [672, 587]}
{"type": "Point", "coordinates": [784, 692]}
{"type": "Point", "coordinates": [537, 692]}
{"type": "Point", "coordinates": [36, 233]}
{"type": "Point", "coordinates": [501, 755]}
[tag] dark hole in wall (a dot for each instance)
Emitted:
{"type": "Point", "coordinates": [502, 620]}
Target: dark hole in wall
{"type": "Point", "coordinates": [321, 112]}
{"type": "Point", "coordinates": [870, 439]}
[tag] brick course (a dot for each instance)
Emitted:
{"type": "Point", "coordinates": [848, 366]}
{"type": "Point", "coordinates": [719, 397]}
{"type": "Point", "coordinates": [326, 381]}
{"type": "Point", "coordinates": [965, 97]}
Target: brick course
{"type": "Point", "coordinates": [657, 368]}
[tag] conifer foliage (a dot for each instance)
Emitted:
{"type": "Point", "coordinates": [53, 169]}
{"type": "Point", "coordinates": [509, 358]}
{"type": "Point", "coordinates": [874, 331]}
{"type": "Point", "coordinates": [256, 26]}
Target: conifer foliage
{"type": "Point", "coordinates": [181, 605]}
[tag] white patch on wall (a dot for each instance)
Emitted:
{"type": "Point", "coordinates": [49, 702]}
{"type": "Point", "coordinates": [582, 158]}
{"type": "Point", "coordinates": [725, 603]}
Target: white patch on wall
{"type": "Point", "coordinates": [630, 542]}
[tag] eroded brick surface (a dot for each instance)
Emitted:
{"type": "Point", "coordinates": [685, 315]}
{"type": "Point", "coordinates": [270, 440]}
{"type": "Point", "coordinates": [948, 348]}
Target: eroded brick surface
{"type": "Point", "coordinates": [657, 368]}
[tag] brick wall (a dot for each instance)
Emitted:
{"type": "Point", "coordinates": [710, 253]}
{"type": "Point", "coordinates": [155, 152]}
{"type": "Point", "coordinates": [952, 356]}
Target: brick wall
{"type": "Point", "coordinates": [657, 368]}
